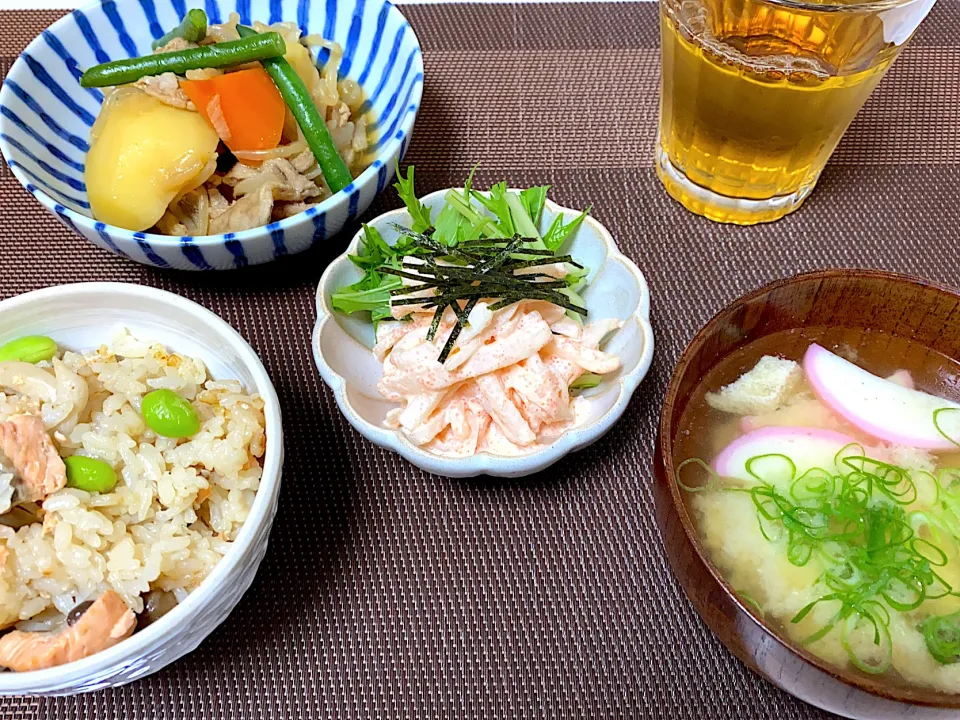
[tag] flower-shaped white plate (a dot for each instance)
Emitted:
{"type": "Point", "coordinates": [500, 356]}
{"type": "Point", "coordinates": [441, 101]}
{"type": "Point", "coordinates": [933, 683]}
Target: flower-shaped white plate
{"type": "Point", "coordinates": [616, 288]}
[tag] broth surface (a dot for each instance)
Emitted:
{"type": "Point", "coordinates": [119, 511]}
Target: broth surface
{"type": "Point", "coordinates": [757, 565]}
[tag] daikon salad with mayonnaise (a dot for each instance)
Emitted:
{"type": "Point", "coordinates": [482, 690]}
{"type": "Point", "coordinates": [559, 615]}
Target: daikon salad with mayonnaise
{"type": "Point", "coordinates": [480, 324]}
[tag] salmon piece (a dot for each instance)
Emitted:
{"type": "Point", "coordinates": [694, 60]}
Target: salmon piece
{"type": "Point", "coordinates": [24, 440]}
{"type": "Point", "coordinates": [103, 625]}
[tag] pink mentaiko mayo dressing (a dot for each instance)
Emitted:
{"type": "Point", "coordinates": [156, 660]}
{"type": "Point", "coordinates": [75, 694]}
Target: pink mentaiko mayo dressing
{"type": "Point", "coordinates": [504, 389]}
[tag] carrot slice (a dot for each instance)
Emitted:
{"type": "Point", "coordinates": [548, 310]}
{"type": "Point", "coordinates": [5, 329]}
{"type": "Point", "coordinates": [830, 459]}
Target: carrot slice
{"type": "Point", "coordinates": [244, 107]}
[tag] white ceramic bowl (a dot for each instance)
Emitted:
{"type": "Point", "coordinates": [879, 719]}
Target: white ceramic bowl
{"type": "Point", "coordinates": [616, 288]}
{"type": "Point", "coordinates": [81, 317]}
{"type": "Point", "coordinates": [46, 117]}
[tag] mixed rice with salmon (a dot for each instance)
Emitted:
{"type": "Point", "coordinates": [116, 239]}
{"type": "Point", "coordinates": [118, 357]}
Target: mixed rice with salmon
{"type": "Point", "coordinates": [125, 475]}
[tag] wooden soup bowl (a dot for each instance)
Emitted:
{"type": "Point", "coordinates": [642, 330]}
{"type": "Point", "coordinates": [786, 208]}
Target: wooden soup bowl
{"type": "Point", "coordinates": [829, 306]}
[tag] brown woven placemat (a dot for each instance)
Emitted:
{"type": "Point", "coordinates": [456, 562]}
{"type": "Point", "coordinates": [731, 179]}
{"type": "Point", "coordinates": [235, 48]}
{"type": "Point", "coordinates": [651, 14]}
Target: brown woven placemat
{"type": "Point", "coordinates": [388, 593]}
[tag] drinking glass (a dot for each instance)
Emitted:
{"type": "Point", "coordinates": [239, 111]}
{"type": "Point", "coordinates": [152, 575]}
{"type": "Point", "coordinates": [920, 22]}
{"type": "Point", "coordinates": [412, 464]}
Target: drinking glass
{"type": "Point", "coordinates": [756, 94]}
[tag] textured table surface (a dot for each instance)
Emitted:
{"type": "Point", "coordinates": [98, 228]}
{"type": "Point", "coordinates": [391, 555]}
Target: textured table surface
{"type": "Point", "coordinates": [389, 593]}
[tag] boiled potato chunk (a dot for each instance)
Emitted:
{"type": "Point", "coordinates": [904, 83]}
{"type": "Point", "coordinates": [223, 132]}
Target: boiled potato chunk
{"type": "Point", "coordinates": [143, 154]}
{"type": "Point", "coordinates": [302, 61]}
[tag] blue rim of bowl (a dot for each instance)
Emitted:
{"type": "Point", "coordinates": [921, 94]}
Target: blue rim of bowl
{"type": "Point", "coordinates": [351, 192]}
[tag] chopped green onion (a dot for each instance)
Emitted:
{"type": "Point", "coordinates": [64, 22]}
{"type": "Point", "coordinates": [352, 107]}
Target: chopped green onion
{"type": "Point", "coordinates": [853, 519]}
{"type": "Point", "coordinates": [941, 633]}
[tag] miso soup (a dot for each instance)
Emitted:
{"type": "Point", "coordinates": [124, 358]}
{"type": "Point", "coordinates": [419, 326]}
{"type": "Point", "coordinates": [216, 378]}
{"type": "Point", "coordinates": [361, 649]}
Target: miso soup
{"type": "Point", "coordinates": [822, 470]}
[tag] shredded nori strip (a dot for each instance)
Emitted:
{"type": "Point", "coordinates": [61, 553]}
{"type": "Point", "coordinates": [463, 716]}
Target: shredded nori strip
{"type": "Point", "coordinates": [455, 332]}
{"type": "Point", "coordinates": [474, 269]}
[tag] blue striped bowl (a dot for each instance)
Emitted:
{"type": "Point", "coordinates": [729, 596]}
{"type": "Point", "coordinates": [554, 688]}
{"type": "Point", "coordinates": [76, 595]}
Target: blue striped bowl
{"type": "Point", "coordinates": [45, 116]}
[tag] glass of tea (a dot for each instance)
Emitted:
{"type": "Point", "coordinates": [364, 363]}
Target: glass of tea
{"type": "Point", "coordinates": [756, 94]}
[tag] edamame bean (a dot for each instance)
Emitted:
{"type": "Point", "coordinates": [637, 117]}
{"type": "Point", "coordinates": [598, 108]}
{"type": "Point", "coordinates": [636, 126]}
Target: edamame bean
{"type": "Point", "coordinates": [90, 474]}
{"type": "Point", "coordinates": [30, 348]}
{"type": "Point", "coordinates": [169, 414]}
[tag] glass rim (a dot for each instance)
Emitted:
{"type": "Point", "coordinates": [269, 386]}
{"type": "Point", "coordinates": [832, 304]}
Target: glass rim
{"type": "Point", "coordinates": [835, 6]}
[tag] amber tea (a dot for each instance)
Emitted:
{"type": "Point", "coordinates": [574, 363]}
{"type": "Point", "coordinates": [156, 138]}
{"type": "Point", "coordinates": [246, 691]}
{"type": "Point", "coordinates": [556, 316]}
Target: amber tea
{"type": "Point", "coordinates": [756, 94]}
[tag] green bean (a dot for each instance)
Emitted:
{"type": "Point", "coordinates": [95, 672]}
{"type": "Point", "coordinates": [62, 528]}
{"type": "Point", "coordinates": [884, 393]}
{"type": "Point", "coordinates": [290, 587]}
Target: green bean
{"type": "Point", "coordinates": [218, 55]}
{"type": "Point", "coordinates": [90, 474]}
{"type": "Point", "coordinates": [193, 29]}
{"type": "Point", "coordinates": [169, 414]}
{"type": "Point", "coordinates": [305, 112]}
{"type": "Point", "coordinates": [30, 348]}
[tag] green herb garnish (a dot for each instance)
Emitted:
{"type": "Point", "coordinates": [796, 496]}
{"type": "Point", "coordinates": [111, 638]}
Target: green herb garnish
{"type": "Point", "coordinates": [372, 292]}
{"type": "Point", "coordinates": [419, 214]}
{"type": "Point", "coordinates": [477, 246]}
